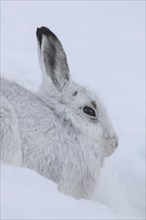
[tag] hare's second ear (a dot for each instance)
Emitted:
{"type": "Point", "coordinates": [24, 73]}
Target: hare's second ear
{"type": "Point", "coordinates": [53, 57]}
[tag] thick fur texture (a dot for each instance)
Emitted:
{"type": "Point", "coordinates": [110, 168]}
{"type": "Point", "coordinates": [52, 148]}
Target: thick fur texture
{"type": "Point", "coordinates": [63, 132]}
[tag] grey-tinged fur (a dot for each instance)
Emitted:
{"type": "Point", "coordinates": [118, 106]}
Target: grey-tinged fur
{"type": "Point", "coordinates": [49, 131]}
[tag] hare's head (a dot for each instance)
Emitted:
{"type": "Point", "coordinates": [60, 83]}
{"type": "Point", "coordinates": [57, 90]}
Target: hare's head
{"type": "Point", "coordinates": [74, 104]}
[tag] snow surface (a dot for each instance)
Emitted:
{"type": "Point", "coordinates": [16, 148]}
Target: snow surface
{"type": "Point", "coordinates": [104, 42]}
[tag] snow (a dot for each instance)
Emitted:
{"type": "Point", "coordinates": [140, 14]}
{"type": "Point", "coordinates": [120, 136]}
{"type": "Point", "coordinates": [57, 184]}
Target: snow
{"type": "Point", "coordinates": [104, 42]}
{"type": "Point", "coordinates": [40, 199]}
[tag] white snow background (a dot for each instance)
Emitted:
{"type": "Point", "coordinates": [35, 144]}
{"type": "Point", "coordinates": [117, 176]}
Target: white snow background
{"type": "Point", "coordinates": [104, 42]}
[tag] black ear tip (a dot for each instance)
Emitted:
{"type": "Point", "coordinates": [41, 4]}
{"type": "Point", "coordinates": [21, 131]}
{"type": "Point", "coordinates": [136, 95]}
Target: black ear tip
{"type": "Point", "coordinates": [44, 31]}
{"type": "Point", "coordinates": [40, 31]}
{"type": "Point", "coordinates": [37, 32]}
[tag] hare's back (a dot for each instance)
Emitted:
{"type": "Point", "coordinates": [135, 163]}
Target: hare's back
{"type": "Point", "coordinates": [26, 104]}
{"type": "Point", "coordinates": [37, 123]}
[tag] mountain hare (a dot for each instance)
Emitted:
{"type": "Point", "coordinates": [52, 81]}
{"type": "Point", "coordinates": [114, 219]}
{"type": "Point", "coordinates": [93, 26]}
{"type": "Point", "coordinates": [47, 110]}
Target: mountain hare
{"type": "Point", "coordinates": [63, 132]}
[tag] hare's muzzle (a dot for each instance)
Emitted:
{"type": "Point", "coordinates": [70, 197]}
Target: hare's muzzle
{"type": "Point", "coordinates": [110, 145]}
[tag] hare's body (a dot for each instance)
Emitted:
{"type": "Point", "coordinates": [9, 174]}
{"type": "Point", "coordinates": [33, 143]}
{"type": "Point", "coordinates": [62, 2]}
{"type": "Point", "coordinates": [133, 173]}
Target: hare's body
{"type": "Point", "coordinates": [52, 147]}
{"type": "Point", "coordinates": [62, 132]}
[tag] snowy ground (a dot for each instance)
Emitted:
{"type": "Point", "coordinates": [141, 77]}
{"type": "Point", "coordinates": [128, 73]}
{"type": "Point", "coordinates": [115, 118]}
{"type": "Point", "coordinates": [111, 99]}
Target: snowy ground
{"type": "Point", "coordinates": [104, 41]}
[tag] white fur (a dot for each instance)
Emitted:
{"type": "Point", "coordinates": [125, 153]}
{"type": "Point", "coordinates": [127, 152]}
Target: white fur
{"type": "Point", "coordinates": [49, 131]}
{"type": "Point", "coordinates": [9, 134]}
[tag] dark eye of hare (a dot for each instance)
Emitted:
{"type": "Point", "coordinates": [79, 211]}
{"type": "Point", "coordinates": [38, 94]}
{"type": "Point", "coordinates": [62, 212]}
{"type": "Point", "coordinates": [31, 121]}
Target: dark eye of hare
{"type": "Point", "coordinates": [89, 111]}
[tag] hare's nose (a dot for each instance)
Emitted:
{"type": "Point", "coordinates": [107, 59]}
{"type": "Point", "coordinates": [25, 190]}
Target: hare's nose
{"type": "Point", "coordinates": [114, 142]}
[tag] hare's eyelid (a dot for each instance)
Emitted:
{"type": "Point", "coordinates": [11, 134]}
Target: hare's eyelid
{"type": "Point", "coordinates": [94, 104]}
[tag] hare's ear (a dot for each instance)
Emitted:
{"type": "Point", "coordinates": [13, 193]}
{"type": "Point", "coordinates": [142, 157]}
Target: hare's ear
{"type": "Point", "coordinates": [52, 57]}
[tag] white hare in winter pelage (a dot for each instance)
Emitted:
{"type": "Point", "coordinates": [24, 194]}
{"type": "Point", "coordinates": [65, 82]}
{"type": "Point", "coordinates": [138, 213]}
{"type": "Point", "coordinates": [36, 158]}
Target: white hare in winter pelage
{"type": "Point", "coordinates": [63, 132]}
